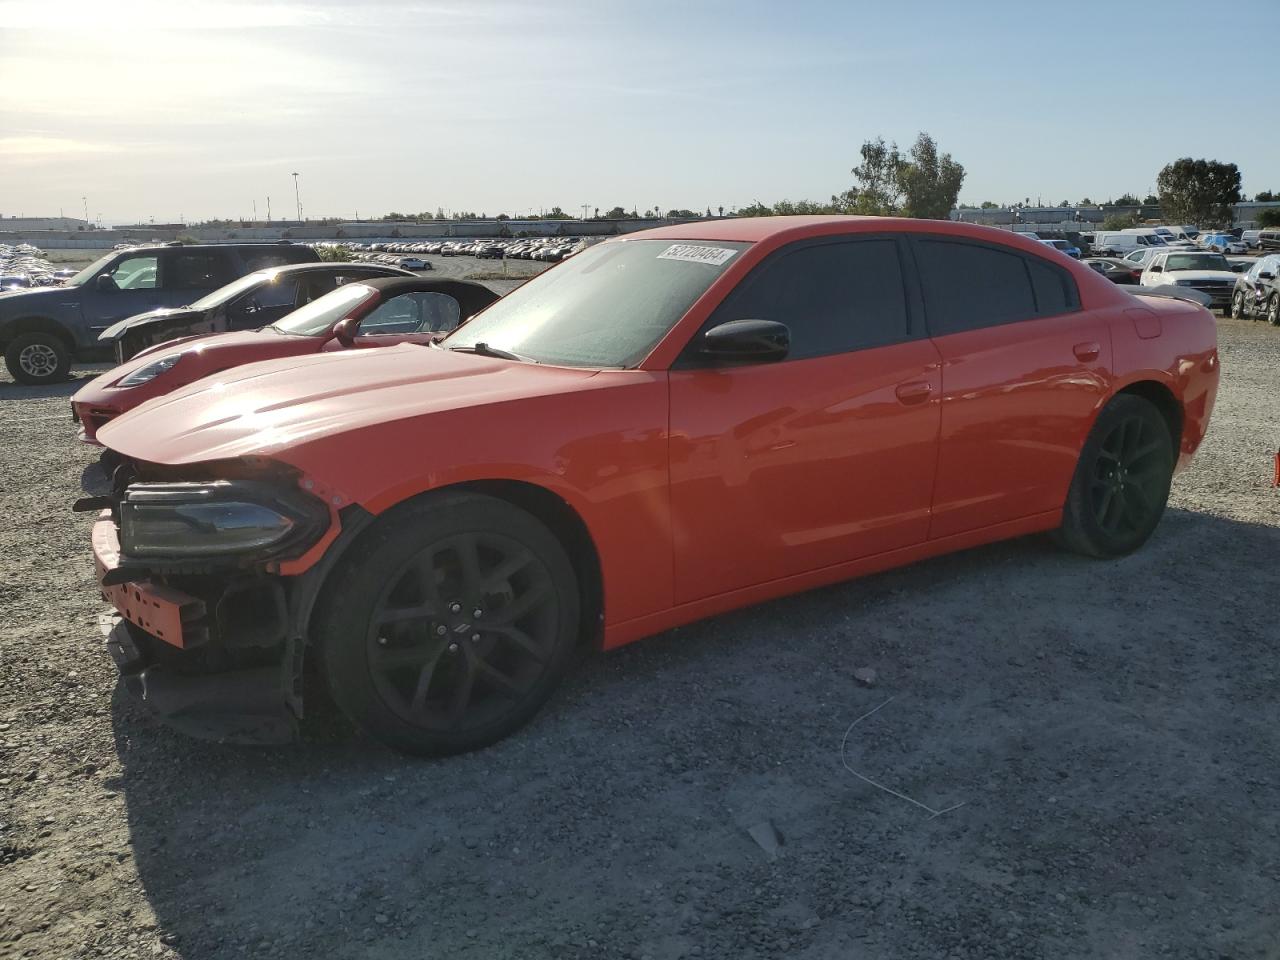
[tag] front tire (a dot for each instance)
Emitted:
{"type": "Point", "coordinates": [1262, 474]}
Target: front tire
{"type": "Point", "coordinates": [1237, 305]}
{"type": "Point", "coordinates": [450, 624]}
{"type": "Point", "coordinates": [1121, 484]}
{"type": "Point", "coordinates": [37, 359]}
{"type": "Point", "coordinates": [1273, 310]}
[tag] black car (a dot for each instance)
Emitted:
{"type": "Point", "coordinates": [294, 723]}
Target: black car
{"type": "Point", "coordinates": [254, 301]}
{"type": "Point", "coordinates": [42, 331]}
{"type": "Point", "coordinates": [1257, 293]}
{"type": "Point", "coordinates": [490, 251]}
{"type": "Point", "coordinates": [1115, 269]}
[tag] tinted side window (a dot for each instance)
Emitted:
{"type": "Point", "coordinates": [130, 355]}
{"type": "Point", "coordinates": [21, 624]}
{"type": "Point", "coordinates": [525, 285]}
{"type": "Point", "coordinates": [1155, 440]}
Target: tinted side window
{"type": "Point", "coordinates": [967, 286]}
{"type": "Point", "coordinates": [1054, 289]}
{"type": "Point", "coordinates": [197, 270]}
{"type": "Point", "coordinates": [834, 297]}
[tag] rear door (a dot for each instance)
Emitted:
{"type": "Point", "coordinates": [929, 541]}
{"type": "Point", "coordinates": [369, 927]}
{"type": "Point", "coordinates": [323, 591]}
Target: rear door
{"type": "Point", "coordinates": [187, 275]}
{"type": "Point", "coordinates": [824, 457]}
{"type": "Point", "coordinates": [1024, 369]}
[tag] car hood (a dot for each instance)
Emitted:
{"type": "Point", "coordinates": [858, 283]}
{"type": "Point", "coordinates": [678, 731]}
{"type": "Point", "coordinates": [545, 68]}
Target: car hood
{"type": "Point", "coordinates": [265, 408]}
{"type": "Point", "coordinates": [116, 330]}
{"type": "Point", "coordinates": [9, 297]}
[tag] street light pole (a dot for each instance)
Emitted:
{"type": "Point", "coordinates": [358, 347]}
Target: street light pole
{"type": "Point", "coordinates": [85, 201]}
{"type": "Point", "coordinates": [297, 196]}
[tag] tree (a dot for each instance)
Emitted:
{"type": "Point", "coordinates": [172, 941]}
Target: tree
{"type": "Point", "coordinates": [617, 213]}
{"type": "Point", "coordinates": [1266, 196]}
{"type": "Point", "coordinates": [1065, 203]}
{"type": "Point", "coordinates": [879, 188]}
{"type": "Point", "coordinates": [1086, 202]}
{"type": "Point", "coordinates": [1269, 218]}
{"type": "Point", "coordinates": [989, 205]}
{"type": "Point", "coordinates": [1199, 191]}
{"type": "Point", "coordinates": [1126, 200]}
{"type": "Point", "coordinates": [1120, 221]}
{"type": "Point", "coordinates": [930, 181]}
{"type": "Point", "coordinates": [503, 216]}
{"type": "Point", "coordinates": [1151, 201]}
{"type": "Point", "coordinates": [682, 214]}
{"type": "Point", "coordinates": [756, 209]}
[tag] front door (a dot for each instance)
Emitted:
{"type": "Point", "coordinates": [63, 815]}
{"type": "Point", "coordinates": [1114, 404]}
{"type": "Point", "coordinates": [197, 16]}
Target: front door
{"type": "Point", "coordinates": [132, 287]}
{"type": "Point", "coordinates": [824, 457]}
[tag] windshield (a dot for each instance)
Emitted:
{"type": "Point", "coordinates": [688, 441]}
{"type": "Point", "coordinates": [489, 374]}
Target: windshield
{"type": "Point", "coordinates": [220, 296]}
{"type": "Point", "coordinates": [606, 307]}
{"type": "Point", "coordinates": [89, 271]}
{"type": "Point", "coordinates": [1196, 261]}
{"type": "Point", "coordinates": [318, 317]}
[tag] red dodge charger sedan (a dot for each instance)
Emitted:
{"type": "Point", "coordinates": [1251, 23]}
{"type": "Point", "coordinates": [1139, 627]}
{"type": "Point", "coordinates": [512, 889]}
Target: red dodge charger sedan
{"type": "Point", "coordinates": [666, 426]}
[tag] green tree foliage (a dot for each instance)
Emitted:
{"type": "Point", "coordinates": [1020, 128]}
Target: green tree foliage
{"type": "Point", "coordinates": [1151, 200]}
{"type": "Point", "coordinates": [989, 205]}
{"type": "Point", "coordinates": [1266, 196]}
{"type": "Point", "coordinates": [1199, 191]}
{"type": "Point", "coordinates": [686, 214]}
{"type": "Point", "coordinates": [334, 254]}
{"type": "Point", "coordinates": [756, 209]}
{"type": "Point", "coordinates": [1127, 200]}
{"type": "Point", "coordinates": [617, 213]}
{"type": "Point", "coordinates": [922, 183]}
{"type": "Point", "coordinates": [1269, 218]}
{"type": "Point", "coordinates": [1120, 221]}
{"type": "Point", "coordinates": [930, 181]}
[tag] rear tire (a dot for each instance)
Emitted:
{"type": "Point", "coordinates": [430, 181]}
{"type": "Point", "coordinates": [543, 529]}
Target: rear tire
{"type": "Point", "coordinates": [1273, 310]}
{"type": "Point", "coordinates": [449, 625]}
{"type": "Point", "coordinates": [1121, 484]}
{"type": "Point", "coordinates": [36, 359]}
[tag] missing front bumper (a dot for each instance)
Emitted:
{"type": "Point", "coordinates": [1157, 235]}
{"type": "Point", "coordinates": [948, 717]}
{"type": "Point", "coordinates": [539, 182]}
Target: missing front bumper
{"type": "Point", "coordinates": [246, 706]}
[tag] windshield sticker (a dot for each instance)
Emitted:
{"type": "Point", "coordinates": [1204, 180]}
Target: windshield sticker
{"type": "Point", "coordinates": [715, 256]}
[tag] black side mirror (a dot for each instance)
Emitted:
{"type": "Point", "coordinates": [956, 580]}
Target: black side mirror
{"type": "Point", "coordinates": [1156, 268]}
{"type": "Point", "coordinates": [105, 284]}
{"type": "Point", "coordinates": [746, 341]}
{"type": "Point", "coordinates": [1264, 275]}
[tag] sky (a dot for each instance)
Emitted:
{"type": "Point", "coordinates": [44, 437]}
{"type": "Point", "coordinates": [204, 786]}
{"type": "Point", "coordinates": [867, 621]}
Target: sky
{"type": "Point", "coordinates": [195, 109]}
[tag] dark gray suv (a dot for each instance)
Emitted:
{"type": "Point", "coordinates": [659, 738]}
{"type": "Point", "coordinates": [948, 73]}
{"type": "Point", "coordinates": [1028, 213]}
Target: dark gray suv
{"type": "Point", "coordinates": [43, 330]}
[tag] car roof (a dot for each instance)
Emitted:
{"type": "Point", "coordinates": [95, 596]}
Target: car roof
{"type": "Point", "coordinates": [471, 296]}
{"type": "Point", "coordinates": [780, 229]}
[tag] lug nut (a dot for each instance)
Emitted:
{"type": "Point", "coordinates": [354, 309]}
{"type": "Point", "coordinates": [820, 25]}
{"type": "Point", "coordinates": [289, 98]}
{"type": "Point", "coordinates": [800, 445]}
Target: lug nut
{"type": "Point", "coordinates": [453, 648]}
{"type": "Point", "coordinates": [382, 641]}
{"type": "Point", "coordinates": [477, 613]}
{"type": "Point", "coordinates": [475, 638]}
{"type": "Point", "coordinates": [455, 607]}
{"type": "Point", "coordinates": [441, 630]}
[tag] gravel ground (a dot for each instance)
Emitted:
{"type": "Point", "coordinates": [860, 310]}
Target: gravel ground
{"type": "Point", "coordinates": [1108, 730]}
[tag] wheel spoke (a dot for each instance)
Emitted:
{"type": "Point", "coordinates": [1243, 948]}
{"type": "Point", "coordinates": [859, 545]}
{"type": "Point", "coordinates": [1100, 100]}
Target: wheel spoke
{"type": "Point", "coordinates": [519, 607]}
{"type": "Point", "coordinates": [1143, 452]}
{"type": "Point", "coordinates": [498, 680]}
{"type": "Point", "coordinates": [405, 614]}
{"type": "Point", "coordinates": [424, 681]}
{"type": "Point", "coordinates": [425, 572]}
{"type": "Point", "coordinates": [468, 554]}
{"type": "Point", "coordinates": [1104, 507]}
{"type": "Point", "coordinates": [465, 684]}
{"type": "Point", "coordinates": [1141, 499]}
{"type": "Point", "coordinates": [393, 658]}
{"type": "Point", "coordinates": [523, 641]}
{"type": "Point", "coordinates": [506, 570]}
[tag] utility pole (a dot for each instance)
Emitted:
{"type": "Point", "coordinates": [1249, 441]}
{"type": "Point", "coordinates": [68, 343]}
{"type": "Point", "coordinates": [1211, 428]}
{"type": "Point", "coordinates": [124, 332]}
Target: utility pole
{"type": "Point", "coordinates": [268, 209]}
{"type": "Point", "coordinates": [297, 196]}
{"type": "Point", "coordinates": [585, 207]}
{"type": "Point", "coordinates": [85, 200]}
{"type": "Point", "coordinates": [255, 211]}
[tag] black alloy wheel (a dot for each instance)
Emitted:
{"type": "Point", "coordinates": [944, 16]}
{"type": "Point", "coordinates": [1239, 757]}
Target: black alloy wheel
{"type": "Point", "coordinates": [1121, 484]}
{"type": "Point", "coordinates": [1237, 305]}
{"type": "Point", "coordinates": [449, 624]}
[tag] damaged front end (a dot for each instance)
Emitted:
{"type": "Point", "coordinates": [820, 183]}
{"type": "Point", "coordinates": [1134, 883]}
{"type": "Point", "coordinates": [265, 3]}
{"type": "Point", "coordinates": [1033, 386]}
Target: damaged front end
{"type": "Point", "coordinates": [214, 581]}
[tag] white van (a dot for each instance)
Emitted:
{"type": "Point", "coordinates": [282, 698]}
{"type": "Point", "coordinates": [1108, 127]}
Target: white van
{"type": "Point", "coordinates": [1119, 242]}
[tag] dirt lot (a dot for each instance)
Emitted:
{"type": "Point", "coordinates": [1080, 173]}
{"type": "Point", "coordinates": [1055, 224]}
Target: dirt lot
{"type": "Point", "coordinates": [1109, 729]}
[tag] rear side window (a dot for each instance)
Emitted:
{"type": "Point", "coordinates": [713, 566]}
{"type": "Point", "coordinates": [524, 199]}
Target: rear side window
{"type": "Point", "coordinates": [968, 286]}
{"type": "Point", "coordinates": [834, 297]}
{"type": "Point", "coordinates": [196, 270]}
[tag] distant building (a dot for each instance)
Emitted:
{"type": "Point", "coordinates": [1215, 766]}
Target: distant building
{"type": "Point", "coordinates": [15, 224]}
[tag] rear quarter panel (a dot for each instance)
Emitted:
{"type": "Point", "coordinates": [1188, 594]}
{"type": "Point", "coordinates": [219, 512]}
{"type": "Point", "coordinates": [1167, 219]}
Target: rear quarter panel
{"type": "Point", "coordinates": [1174, 343]}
